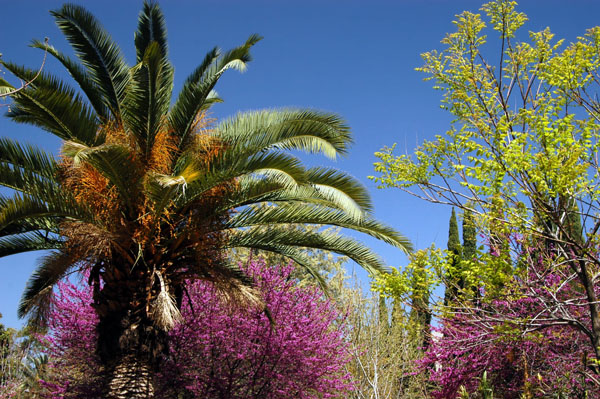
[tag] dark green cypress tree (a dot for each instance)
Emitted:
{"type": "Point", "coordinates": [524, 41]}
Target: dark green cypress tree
{"type": "Point", "coordinates": [453, 279]}
{"type": "Point", "coordinates": [469, 248]}
{"type": "Point", "coordinates": [453, 237]}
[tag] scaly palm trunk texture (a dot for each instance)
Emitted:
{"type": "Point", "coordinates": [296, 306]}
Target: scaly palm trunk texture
{"type": "Point", "coordinates": [132, 378]}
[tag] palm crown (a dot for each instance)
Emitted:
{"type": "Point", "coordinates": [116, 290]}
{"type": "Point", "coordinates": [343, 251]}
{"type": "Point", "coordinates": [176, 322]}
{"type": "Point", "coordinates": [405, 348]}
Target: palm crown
{"type": "Point", "coordinates": [148, 194]}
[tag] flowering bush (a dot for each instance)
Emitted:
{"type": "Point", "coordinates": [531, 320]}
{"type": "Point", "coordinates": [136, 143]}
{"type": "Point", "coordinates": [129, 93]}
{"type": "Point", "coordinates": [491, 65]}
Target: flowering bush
{"type": "Point", "coordinates": [219, 350]}
{"type": "Point", "coordinates": [525, 345]}
{"type": "Point", "coordinates": [545, 362]}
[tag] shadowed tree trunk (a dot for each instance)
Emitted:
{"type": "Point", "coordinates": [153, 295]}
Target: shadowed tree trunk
{"type": "Point", "coordinates": [132, 378]}
{"type": "Point", "coordinates": [129, 342]}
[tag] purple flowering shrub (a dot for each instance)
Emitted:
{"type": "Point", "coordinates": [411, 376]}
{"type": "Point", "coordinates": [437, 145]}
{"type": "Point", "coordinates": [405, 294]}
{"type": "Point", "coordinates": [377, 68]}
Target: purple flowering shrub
{"type": "Point", "coordinates": [548, 361]}
{"type": "Point", "coordinates": [531, 340]}
{"type": "Point", "coordinates": [74, 370]}
{"type": "Point", "coordinates": [219, 350]}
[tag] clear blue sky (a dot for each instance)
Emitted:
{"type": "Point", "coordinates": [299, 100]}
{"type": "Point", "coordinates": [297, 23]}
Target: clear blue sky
{"type": "Point", "coordinates": [354, 58]}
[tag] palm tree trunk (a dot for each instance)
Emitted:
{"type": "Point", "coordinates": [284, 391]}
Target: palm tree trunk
{"type": "Point", "coordinates": [132, 378]}
{"type": "Point", "coordinates": [130, 345]}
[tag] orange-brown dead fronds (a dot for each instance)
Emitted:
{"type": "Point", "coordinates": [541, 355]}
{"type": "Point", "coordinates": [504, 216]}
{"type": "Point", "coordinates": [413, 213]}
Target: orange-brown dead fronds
{"type": "Point", "coordinates": [205, 146]}
{"type": "Point", "coordinates": [147, 228]}
{"type": "Point", "coordinates": [91, 189]}
{"type": "Point", "coordinates": [202, 124]}
{"type": "Point", "coordinates": [235, 295]}
{"type": "Point", "coordinates": [163, 151]}
{"type": "Point", "coordinates": [115, 134]}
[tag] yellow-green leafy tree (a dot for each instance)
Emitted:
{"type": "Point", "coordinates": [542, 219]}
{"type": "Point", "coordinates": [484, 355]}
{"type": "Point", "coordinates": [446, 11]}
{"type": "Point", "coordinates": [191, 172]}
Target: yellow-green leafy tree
{"type": "Point", "coordinates": [521, 153]}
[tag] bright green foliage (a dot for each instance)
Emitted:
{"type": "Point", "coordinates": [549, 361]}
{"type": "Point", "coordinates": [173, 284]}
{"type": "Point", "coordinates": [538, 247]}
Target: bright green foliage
{"type": "Point", "coordinates": [525, 132]}
{"type": "Point", "coordinates": [21, 363]}
{"type": "Point", "coordinates": [413, 286]}
{"type": "Point", "coordinates": [416, 279]}
{"type": "Point", "coordinates": [516, 133]}
{"type": "Point", "coordinates": [521, 152]}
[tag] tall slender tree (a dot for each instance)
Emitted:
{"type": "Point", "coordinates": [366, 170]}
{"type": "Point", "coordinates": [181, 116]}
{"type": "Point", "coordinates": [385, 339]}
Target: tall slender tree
{"type": "Point", "coordinates": [469, 249]}
{"type": "Point", "coordinates": [453, 279]}
{"type": "Point", "coordinates": [469, 231]}
{"type": "Point", "coordinates": [149, 194]}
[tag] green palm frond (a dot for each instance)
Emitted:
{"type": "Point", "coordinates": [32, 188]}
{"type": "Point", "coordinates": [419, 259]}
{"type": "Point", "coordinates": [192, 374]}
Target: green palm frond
{"type": "Point", "coordinates": [27, 242]}
{"type": "Point", "coordinates": [86, 84]}
{"type": "Point", "coordinates": [53, 106]}
{"type": "Point", "coordinates": [44, 225]}
{"type": "Point", "coordinates": [263, 163]}
{"type": "Point", "coordinates": [148, 99]}
{"type": "Point", "coordinates": [305, 130]}
{"type": "Point", "coordinates": [151, 28]}
{"type": "Point", "coordinates": [258, 237]}
{"type": "Point", "coordinates": [28, 157]}
{"type": "Point", "coordinates": [327, 187]}
{"type": "Point", "coordinates": [300, 257]}
{"type": "Point", "coordinates": [274, 166]}
{"type": "Point", "coordinates": [253, 189]}
{"type": "Point", "coordinates": [24, 207]}
{"type": "Point", "coordinates": [199, 86]}
{"type": "Point", "coordinates": [162, 189]}
{"type": "Point", "coordinates": [228, 271]}
{"type": "Point", "coordinates": [209, 59]}
{"type": "Point", "coordinates": [5, 88]}
{"type": "Point", "coordinates": [297, 255]}
{"type": "Point", "coordinates": [298, 213]}
{"type": "Point", "coordinates": [340, 187]}
{"type": "Point", "coordinates": [26, 182]}
{"type": "Point", "coordinates": [97, 52]}
{"type": "Point", "coordinates": [36, 300]}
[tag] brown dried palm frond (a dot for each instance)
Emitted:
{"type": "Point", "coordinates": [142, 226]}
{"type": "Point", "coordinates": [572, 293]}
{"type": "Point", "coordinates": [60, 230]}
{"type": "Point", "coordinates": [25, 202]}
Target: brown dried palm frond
{"type": "Point", "coordinates": [164, 311]}
{"type": "Point", "coordinates": [36, 301]}
{"type": "Point", "coordinates": [88, 241]}
{"type": "Point", "coordinates": [238, 295]}
{"type": "Point", "coordinates": [201, 127]}
{"type": "Point", "coordinates": [232, 284]}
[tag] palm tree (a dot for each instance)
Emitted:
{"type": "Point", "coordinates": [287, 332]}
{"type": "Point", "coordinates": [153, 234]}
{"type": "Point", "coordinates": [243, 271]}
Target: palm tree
{"type": "Point", "coordinates": [149, 194]}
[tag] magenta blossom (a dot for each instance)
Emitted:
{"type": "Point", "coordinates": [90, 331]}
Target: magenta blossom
{"type": "Point", "coordinates": [219, 350]}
